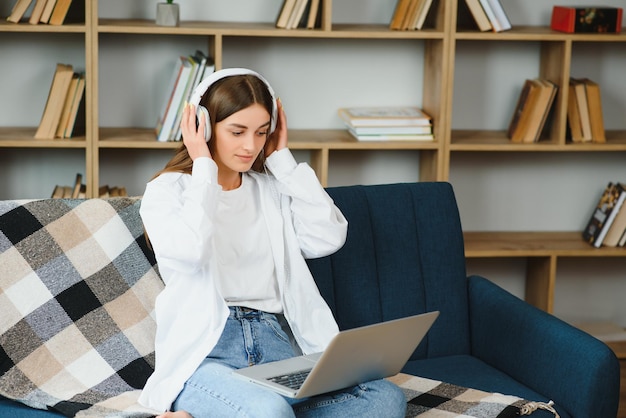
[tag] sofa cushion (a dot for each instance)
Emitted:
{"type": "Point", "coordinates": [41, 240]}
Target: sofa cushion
{"type": "Point", "coordinates": [77, 288]}
{"type": "Point", "coordinates": [390, 265]}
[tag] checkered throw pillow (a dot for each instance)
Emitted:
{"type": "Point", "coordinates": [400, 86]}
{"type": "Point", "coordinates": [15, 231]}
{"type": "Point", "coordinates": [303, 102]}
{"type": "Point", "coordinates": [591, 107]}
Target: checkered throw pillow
{"type": "Point", "coordinates": [77, 292]}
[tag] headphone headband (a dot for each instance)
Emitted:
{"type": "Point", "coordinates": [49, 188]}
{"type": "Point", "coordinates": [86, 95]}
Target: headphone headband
{"type": "Point", "coordinates": [201, 88]}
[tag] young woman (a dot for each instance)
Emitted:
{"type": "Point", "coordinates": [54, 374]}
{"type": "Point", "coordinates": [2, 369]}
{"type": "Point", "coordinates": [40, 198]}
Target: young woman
{"type": "Point", "coordinates": [231, 221]}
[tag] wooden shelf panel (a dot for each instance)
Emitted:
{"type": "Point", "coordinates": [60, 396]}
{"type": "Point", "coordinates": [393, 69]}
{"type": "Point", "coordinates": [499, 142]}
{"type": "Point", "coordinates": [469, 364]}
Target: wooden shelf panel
{"type": "Point", "coordinates": [25, 138]}
{"type": "Point", "coordinates": [26, 27]}
{"type": "Point", "coordinates": [471, 140]}
{"type": "Point", "coordinates": [298, 139]}
{"type": "Point", "coordinates": [538, 33]}
{"type": "Point", "coordinates": [533, 244]}
{"type": "Point", "coordinates": [256, 29]}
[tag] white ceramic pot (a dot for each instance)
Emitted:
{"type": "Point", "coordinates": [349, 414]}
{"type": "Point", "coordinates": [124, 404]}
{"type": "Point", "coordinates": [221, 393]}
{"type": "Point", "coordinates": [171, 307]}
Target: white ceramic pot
{"type": "Point", "coordinates": [167, 14]}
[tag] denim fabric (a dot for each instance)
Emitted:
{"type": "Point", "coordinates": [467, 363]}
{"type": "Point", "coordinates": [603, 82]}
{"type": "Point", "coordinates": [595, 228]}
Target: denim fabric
{"type": "Point", "coordinates": [253, 337]}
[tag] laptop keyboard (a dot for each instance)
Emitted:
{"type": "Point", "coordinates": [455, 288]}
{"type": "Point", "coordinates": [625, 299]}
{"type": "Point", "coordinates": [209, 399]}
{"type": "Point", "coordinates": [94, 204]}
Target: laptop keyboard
{"type": "Point", "coordinates": [291, 380]}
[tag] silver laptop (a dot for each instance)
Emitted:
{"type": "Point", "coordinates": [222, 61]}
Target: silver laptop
{"type": "Point", "coordinates": [354, 356]}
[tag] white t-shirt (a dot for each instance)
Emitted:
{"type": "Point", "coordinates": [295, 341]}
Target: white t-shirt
{"type": "Point", "coordinates": [245, 263]}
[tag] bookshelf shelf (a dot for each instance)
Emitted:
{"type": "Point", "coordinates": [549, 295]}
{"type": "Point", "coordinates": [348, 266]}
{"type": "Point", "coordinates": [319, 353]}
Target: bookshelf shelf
{"type": "Point", "coordinates": [260, 30]}
{"type": "Point", "coordinates": [24, 138]}
{"type": "Point", "coordinates": [28, 28]}
{"type": "Point", "coordinates": [480, 140]}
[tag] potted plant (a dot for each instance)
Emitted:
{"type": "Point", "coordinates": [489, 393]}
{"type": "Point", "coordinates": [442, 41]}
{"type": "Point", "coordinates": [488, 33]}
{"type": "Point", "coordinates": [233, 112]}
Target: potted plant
{"type": "Point", "coordinates": [167, 13]}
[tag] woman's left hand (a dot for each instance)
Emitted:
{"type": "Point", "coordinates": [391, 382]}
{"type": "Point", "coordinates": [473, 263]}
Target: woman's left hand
{"type": "Point", "coordinates": [278, 139]}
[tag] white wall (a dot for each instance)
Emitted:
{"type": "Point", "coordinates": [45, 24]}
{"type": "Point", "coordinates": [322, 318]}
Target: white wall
{"type": "Point", "coordinates": [495, 191]}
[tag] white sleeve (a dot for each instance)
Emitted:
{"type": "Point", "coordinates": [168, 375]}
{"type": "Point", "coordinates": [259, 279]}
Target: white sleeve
{"type": "Point", "coordinates": [177, 211]}
{"type": "Point", "coordinates": [319, 225]}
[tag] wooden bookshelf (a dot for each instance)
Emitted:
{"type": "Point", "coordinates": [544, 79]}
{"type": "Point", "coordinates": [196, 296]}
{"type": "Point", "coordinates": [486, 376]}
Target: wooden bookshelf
{"type": "Point", "coordinates": [441, 42]}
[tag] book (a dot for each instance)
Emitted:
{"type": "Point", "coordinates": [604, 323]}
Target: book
{"type": "Point", "coordinates": [35, 15]}
{"type": "Point", "coordinates": [597, 19]}
{"type": "Point", "coordinates": [391, 130]}
{"type": "Point", "coordinates": [177, 101]}
{"type": "Point", "coordinates": [67, 106]}
{"type": "Point", "coordinates": [59, 12]}
{"type": "Point", "coordinates": [314, 14]}
{"type": "Point", "coordinates": [384, 116]}
{"type": "Point", "coordinates": [77, 184]}
{"type": "Point", "coordinates": [200, 60]}
{"type": "Point", "coordinates": [594, 105]}
{"type": "Point", "coordinates": [540, 111]}
{"type": "Point", "coordinates": [285, 13]}
{"type": "Point", "coordinates": [19, 9]}
{"type": "Point", "coordinates": [526, 102]}
{"type": "Point", "coordinates": [296, 14]}
{"type": "Point", "coordinates": [622, 240]}
{"type": "Point", "coordinates": [392, 137]}
{"type": "Point", "coordinates": [402, 7]}
{"type": "Point", "coordinates": [185, 98]}
{"type": "Point", "coordinates": [171, 88]}
{"type": "Point", "coordinates": [103, 192]}
{"type": "Point", "coordinates": [573, 115]}
{"type": "Point", "coordinates": [580, 93]}
{"type": "Point", "coordinates": [496, 24]}
{"type": "Point", "coordinates": [501, 17]}
{"type": "Point", "coordinates": [47, 11]}
{"type": "Point", "coordinates": [422, 13]}
{"type": "Point", "coordinates": [617, 229]}
{"type": "Point", "coordinates": [415, 11]}
{"type": "Point", "coordinates": [411, 13]}
{"type": "Point", "coordinates": [77, 121]}
{"type": "Point", "coordinates": [54, 105]}
{"type": "Point", "coordinates": [604, 214]}
{"type": "Point", "coordinates": [479, 15]}
{"type": "Point", "coordinates": [57, 192]}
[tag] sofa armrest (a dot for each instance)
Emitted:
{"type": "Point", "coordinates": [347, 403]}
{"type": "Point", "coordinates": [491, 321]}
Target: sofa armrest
{"type": "Point", "coordinates": [577, 371]}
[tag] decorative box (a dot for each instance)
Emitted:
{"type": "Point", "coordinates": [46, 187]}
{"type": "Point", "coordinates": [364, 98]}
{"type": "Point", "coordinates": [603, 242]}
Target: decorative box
{"type": "Point", "coordinates": [586, 19]}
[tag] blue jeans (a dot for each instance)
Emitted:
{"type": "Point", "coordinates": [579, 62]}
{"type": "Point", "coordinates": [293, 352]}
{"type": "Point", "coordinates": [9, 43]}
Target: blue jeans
{"type": "Point", "coordinates": [254, 337]}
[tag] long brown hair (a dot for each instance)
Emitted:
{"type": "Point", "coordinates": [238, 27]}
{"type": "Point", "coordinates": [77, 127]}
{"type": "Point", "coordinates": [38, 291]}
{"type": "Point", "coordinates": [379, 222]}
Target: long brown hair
{"type": "Point", "coordinates": [223, 98]}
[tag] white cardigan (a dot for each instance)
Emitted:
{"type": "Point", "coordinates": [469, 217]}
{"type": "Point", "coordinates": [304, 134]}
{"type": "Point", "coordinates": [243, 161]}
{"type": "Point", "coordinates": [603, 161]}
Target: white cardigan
{"type": "Point", "coordinates": [177, 211]}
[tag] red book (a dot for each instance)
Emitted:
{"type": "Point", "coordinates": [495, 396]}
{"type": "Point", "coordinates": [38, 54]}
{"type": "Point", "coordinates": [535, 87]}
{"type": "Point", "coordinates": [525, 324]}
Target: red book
{"type": "Point", "coordinates": [586, 19]}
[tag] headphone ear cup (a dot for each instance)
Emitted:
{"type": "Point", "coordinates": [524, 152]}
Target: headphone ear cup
{"type": "Point", "coordinates": [202, 112]}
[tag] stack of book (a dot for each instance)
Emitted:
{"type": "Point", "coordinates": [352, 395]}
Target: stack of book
{"type": "Point", "coordinates": [584, 111]}
{"type": "Point", "coordinates": [104, 192]}
{"type": "Point", "coordinates": [188, 73]}
{"type": "Point", "coordinates": [77, 191]}
{"type": "Point", "coordinates": [531, 111]}
{"type": "Point", "coordinates": [64, 112]}
{"type": "Point", "coordinates": [607, 224]}
{"type": "Point", "coordinates": [489, 15]}
{"type": "Point", "coordinates": [396, 123]}
{"type": "Point", "coordinates": [53, 12]}
{"type": "Point", "coordinates": [410, 14]}
{"type": "Point", "coordinates": [299, 14]}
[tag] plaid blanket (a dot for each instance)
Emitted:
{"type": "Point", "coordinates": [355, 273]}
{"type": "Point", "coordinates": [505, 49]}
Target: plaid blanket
{"type": "Point", "coordinates": [77, 289]}
{"type": "Point", "coordinates": [432, 398]}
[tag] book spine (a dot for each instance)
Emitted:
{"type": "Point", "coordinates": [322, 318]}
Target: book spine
{"type": "Point", "coordinates": [605, 228]}
{"type": "Point", "coordinates": [563, 19]}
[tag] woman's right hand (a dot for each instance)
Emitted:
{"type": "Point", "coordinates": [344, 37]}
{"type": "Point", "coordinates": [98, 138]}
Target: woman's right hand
{"type": "Point", "coordinates": [193, 138]}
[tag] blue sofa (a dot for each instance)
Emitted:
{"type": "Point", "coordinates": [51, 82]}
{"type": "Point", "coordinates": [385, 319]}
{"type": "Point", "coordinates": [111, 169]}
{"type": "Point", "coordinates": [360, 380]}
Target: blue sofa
{"type": "Point", "coordinates": [404, 255]}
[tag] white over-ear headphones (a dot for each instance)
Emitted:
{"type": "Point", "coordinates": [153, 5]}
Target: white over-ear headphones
{"type": "Point", "coordinates": [199, 91]}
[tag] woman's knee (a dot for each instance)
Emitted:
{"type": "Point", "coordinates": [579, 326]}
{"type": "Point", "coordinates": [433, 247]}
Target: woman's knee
{"type": "Point", "coordinates": [244, 400]}
{"type": "Point", "coordinates": [390, 398]}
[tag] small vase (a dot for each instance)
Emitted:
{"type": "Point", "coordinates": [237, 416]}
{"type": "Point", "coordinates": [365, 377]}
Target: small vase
{"type": "Point", "coordinates": [167, 14]}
